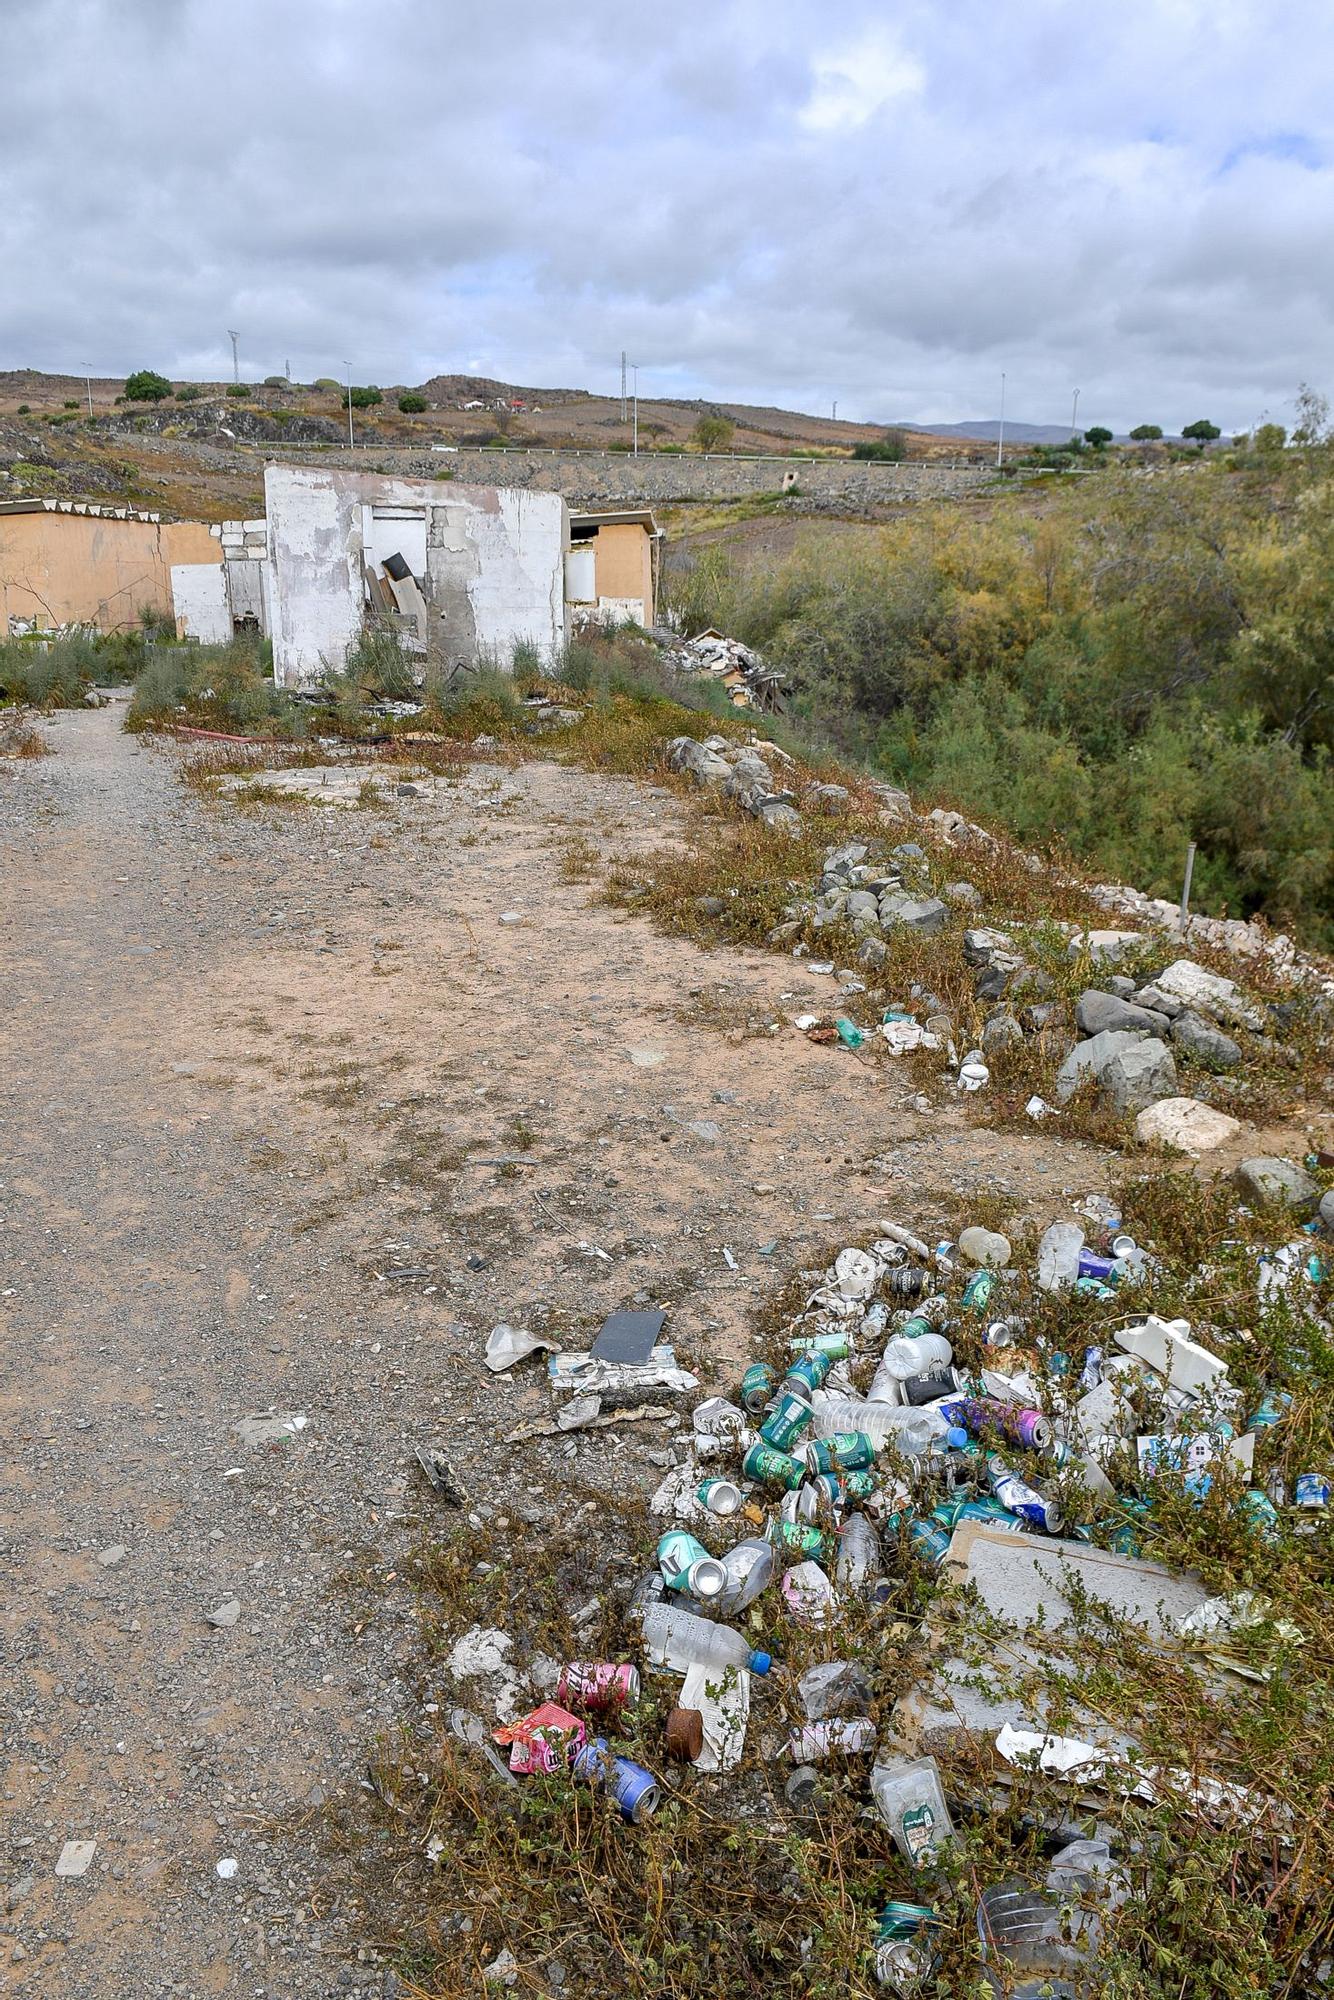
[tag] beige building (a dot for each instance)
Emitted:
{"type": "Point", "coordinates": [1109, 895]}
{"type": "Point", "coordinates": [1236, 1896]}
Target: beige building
{"type": "Point", "coordinates": [626, 547]}
{"type": "Point", "coordinates": [75, 562]}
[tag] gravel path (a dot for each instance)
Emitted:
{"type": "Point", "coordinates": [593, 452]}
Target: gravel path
{"type": "Point", "coordinates": [253, 1061]}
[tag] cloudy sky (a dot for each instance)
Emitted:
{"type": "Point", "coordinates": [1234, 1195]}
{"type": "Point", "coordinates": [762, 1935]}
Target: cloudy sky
{"type": "Point", "coordinates": [774, 200]}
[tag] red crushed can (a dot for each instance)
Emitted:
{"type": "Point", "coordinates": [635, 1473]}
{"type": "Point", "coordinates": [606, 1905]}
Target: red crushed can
{"type": "Point", "coordinates": [598, 1685]}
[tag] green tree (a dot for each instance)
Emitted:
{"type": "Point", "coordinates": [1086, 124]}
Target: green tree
{"type": "Point", "coordinates": [1098, 436]}
{"type": "Point", "coordinates": [1269, 437]}
{"type": "Point", "coordinates": [412, 404]}
{"type": "Point", "coordinates": [713, 432]}
{"type": "Point", "coordinates": [1201, 431]}
{"type": "Point", "coordinates": [364, 399]}
{"type": "Point", "coordinates": [1146, 433]}
{"type": "Point", "coordinates": [146, 386]}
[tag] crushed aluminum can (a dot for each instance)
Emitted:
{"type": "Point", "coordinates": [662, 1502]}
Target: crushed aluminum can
{"type": "Point", "coordinates": [786, 1421]}
{"type": "Point", "coordinates": [764, 1462]}
{"type": "Point", "coordinates": [983, 1415]}
{"type": "Point", "coordinates": [634, 1789]}
{"type": "Point", "coordinates": [836, 1345]}
{"type": "Point", "coordinates": [977, 1292]}
{"type": "Point", "coordinates": [599, 1685]}
{"type": "Point", "coordinates": [799, 1536]}
{"type": "Point", "coordinates": [842, 1451]}
{"type": "Point", "coordinates": [687, 1565]}
{"type": "Point", "coordinates": [757, 1387]}
{"type": "Point", "coordinates": [544, 1741]}
{"type": "Point", "coordinates": [719, 1496]}
{"type": "Point", "coordinates": [907, 1282]}
{"type": "Point", "coordinates": [806, 1375]}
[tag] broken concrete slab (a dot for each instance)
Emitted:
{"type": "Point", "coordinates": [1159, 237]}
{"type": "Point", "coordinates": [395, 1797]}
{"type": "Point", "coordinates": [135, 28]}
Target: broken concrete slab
{"type": "Point", "coordinates": [1186, 1125]}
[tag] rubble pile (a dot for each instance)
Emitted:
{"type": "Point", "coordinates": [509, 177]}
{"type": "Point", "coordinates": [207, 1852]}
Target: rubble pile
{"type": "Point", "coordinates": [1130, 1028]}
{"type": "Point", "coordinates": [744, 773]}
{"type": "Point", "coordinates": [979, 1453]}
{"type": "Point", "coordinates": [749, 682]}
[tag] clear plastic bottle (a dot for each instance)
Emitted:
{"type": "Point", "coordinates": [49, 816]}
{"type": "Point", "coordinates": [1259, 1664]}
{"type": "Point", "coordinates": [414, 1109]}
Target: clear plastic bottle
{"type": "Point", "coordinates": [677, 1639]}
{"type": "Point", "coordinates": [749, 1567]}
{"type": "Point", "coordinates": [859, 1560]}
{"type": "Point", "coordinates": [907, 1429]}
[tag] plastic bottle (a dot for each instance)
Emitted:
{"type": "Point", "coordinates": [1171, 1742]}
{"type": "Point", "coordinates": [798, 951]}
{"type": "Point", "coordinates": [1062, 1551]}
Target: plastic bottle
{"type": "Point", "coordinates": [1058, 1256]}
{"type": "Point", "coordinates": [910, 1800]}
{"type": "Point", "coordinates": [907, 1429]}
{"type": "Point", "coordinates": [922, 1354]}
{"type": "Point", "coordinates": [677, 1639]}
{"type": "Point", "coordinates": [749, 1567]}
{"type": "Point", "coordinates": [859, 1562]}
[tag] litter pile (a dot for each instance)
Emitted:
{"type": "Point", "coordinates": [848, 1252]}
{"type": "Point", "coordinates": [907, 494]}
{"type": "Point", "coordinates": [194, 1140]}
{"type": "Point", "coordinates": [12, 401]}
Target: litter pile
{"type": "Point", "coordinates": [975, 1454]}
{"type": "Point", "coordinates": [749, 682]}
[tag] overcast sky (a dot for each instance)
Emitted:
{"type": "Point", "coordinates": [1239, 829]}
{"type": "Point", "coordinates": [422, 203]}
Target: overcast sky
{"type": "Point", "coordinates": [772, 200]}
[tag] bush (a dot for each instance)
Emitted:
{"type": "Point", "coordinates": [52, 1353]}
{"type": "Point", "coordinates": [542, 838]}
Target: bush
{"type": "Point", "coordinates": [366, 398]}
{"type": "Point", "coordinates": [412, 405]}
{"type": "Point", "coordinates": [328, 382]}
{"type": "Point", "coordinates": [238, 389]}
{"type": "Point", "coordinates": [377, 665]}
{"type": "Point", "coordinates": [713, 431]}
{"type": "Point", "coordinates": [215, 687]}
{"type": "Point", "coordinates": [25, 409]}
{"type": "Point", "coordinates": [55, 673]}
{"type": "Point", "coordinates": [146, 386]}
{"type": "Point", "coordinates": [190, 393]}
{"type": "Point", "coordinates": [71, 403]}
{"type": "Point", "coordinates": [275, 381]}
{"type": "Point", "coordinates": [893, 447]}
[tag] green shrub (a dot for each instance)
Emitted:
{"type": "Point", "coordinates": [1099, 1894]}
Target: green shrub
{"type": "Point", "coordinates": [52, 673]}
{"type": "Point", "coordinates": [365, 398]}
{"type": "Point", "coordinates": [893, 446]}
{"type": "Point", "coordinates": [377, 664]}
{"type": "Point", "coordinates": [71, 403]}
{"type": "Point", "coordinates": [190, 393]}
{"type": "Point", "coordinates": [25, 409]}
{"type": "Point", "coordinates": [328, 382]}
{"type": "Point", "coordinates": [146, 386]}
{"type": "Point", "coordinates": [238, 389]}
{"type": "Point", "coordinates": [412, 405]}
{"type": "Point", "coordinates": [275, 382]}
{"type": "Point", "coordinates": [215, 687]}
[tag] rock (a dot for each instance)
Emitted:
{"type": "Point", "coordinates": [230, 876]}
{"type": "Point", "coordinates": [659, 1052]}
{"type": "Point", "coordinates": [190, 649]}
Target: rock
{"type": "Point", "coordinates": [963, 895]}
{"type": "Point", "coordinates": [1040, 1016]}
{"type": "Point", "coordinates": [1117, 983]}
{"type": "Point", "coordinates": [827, 798]}
{"type": "Point", "coordinates": [1090, 1058]}
{"type": "Point", "coordinates": [1266, 1179]}
{"type": "Point", "coordinates": [873, 953]}
{"type": "Point", "coordinates": [1104, 947]}
{"type": "Point", "coordinates": [224, 1614]}
{"type": "Point", "coordinates": [1139, 1075]}
{"type": "Point", "coordinates": [703, 764]}
{"type": "Point", "coordinates": [711, 906]}
{"type": "Point", "coordinates": [777, 812]}
{"type": "Point", "coordinates": [503, 1970]}
{"type": "Point", "coordinates": [1002, 1031]}
{"type": "Point", "coordinates": [985, 1246]}
{"type": "Point", "coordinates": [1158, 1002]}
{"type": "Point", "coordinates": [1192, 1032]}
{"type": "Point", "coordinates": [981, 946]}
{"type": "Point", "coordinates": [1327, 1210]}
{"type": "Point", "coordinates": [481, 1650]}
{"type": "Point", "coordinates": [862, 903]}
{"type": "Point", "coordinates": [1096, 1013]}
{"type": "Point", "coordinates": [1186, 1125]}
{"type": "Point", "coordinates": [1207, 992]}
{"type": "Point", "coordinates": [926, 915]}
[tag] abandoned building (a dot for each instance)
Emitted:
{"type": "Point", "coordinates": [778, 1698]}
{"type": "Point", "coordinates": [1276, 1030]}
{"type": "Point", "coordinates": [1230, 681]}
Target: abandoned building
{"type": "Point", "coordinates": [75, 562]}
{"type": "Point", "coordinates": [611, 571]}
{"type": "Point", "coordinates": [216, 600]}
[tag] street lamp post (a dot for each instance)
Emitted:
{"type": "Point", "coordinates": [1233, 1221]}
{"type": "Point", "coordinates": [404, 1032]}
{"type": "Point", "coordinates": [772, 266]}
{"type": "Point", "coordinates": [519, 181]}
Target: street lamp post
{"type": "Point", "coordinates": [351, 441]}
{"type": "Point", "coordinates": [1074, 416]}
{"type": "Point", "coordinates": [1000, 440]}
{"type": "Point", "coordinates": [635, 366]}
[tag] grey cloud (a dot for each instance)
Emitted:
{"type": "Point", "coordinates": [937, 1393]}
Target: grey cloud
{"type": "Point", "coordinates": [1132, 196]}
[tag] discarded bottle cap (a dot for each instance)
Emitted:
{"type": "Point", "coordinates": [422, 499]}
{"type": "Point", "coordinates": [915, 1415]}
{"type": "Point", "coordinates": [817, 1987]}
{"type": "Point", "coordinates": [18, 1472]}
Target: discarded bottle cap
{"type": "Point", "coordinates": [685, 1734]}
{"type": "Point", "coordinates": [760, 1663]}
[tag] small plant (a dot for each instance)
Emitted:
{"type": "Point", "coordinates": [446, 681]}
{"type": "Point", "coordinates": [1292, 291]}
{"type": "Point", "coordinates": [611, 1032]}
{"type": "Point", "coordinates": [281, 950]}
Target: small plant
{"type": "Point", "coordinates": [238, 389]}
{"type": "Point", "coordinates": [25, 409]}
{"type": "Point", "coordinates": [412, 405]}
{"type": "Point", "coordinates": [71, 403]}
{"type": "Point", "coordinates": [275, 381]}
{"type": "Point", "coordinates": [146, 386]}
{"type": "Point", "coordinates": [327, 382]}
{"type": "Point", "coordinates": [713, 431]}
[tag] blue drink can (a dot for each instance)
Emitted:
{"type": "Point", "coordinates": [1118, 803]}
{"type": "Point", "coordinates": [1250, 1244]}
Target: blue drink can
{"type": "Point", "coordinates": [634, 1789]}
{"type": "Point", "coordinates": [786, 1421]}
{"type": "Point", "coordinates": [1312, 1491]}
{"type": "Point", "coordinates": [807, 1374]}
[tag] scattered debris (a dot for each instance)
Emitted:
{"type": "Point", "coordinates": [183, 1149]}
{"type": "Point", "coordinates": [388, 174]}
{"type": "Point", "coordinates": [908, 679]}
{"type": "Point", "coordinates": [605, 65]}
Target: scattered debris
{"type": "Point", "coordinates": [75, 1858]}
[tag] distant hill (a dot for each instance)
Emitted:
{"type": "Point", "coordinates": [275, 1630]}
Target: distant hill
{"type": "Point", "coordinates": [989, 428]}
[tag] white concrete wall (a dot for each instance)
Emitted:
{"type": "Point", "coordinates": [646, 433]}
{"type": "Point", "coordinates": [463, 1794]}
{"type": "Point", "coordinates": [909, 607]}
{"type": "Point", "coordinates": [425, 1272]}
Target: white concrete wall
{"type": "Point", "coordinates": [493, 564]}
{"type": "Point", "coordinates": [199, 599]}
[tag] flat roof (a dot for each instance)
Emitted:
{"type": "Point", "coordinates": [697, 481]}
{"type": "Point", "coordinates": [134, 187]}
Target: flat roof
{"type": "Point", "coordinates": [620, 517]}
{"type": "Point", "coordinates": [99, 509]}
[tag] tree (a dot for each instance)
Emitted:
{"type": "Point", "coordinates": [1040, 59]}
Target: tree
{"type": "Point", "coordinates": [1202, 431]}
{"type": "Point", "coordinates": [146, 386]}
{"type": "Point", "coordinates": [411, 404]}
{"type": "Point", "coordinates": [1269, 437]}
{"type": "Point", "coordinates": [363, 399]}
{"type": "Point", "coordinates": [1146, 433]}
{"type": "Point", "coordinates": [892, 447]}
{"type": "Point", "coordinates": [713, 432]}
{"type": "Point", "coordinates": [1098, 436]}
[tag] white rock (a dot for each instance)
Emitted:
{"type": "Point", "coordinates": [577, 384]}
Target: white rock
{"type": "Point", "coordinates": [481, 1650]}
{"type": "Point", "coordinates": [1186, 1125]}
{"type": "Point", "coordinates": [1207, 991]}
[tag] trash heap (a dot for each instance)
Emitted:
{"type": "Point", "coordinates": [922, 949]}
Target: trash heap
{"type": "Point", "coordinates": [972, 1447]}
{"type": "Point", "coordinates": [749, 682]}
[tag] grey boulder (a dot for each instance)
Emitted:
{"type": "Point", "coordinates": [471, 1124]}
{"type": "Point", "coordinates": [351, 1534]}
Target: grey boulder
{"type": "Point", "coordinates": [1139, 1076]}
{"type": "Point", "coordinates": [1096, 1013]}
{"type": "Point", "coordinates": [926, 914]}
{"type": "Point", "coordinates": [1327, 1211]}
{"type": "Point", "coordinates": [1090, 1058]}
{"type": "Point", "coordinates": [1280, 1182]}
{"type": "Point", "coordinates": [1200, 1038]}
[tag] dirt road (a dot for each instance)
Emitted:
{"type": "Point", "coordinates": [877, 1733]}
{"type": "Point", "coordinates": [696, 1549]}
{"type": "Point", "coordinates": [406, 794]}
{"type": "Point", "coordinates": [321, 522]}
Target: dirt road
{"type": "Point", "coordinates": [253, 1063]}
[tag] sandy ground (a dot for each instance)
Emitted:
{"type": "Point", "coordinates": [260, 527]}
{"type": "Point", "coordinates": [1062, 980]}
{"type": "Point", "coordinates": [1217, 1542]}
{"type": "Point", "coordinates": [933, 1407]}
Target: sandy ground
{"type": "Point", "coordinates": [254, 1060]}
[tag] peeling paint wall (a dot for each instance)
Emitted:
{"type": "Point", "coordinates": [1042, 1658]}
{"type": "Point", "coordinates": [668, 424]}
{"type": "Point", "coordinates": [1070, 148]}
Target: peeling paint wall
{"type": "Point", "coordinates": [199, 593]}
{"type": "Point", "coordinates": [493, 564]}
{"type": "Point", "coordinates": [83, 569]}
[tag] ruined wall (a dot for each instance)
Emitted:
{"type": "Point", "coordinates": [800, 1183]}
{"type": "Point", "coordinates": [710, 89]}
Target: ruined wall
{"type": "Point", "coordinates": [493, 573]}
{"type": "Point", "coordinates": [86, 569]}
{"type": "Point", "coordinates": [589, 478]}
